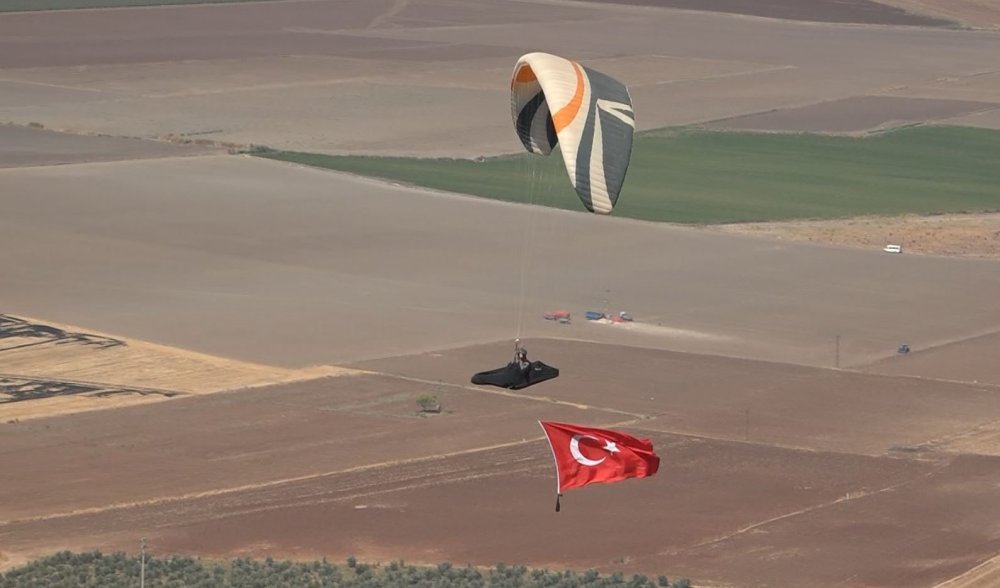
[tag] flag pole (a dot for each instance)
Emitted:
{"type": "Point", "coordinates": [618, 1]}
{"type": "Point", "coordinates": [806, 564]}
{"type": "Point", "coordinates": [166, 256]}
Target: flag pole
{"type": "Point", "coordinates": [552, 449]}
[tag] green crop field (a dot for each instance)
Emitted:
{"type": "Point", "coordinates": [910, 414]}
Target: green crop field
{"type": "Point", "coordinates": [30, 5]}
{"type": "Point", "coordinates": [700, 177]}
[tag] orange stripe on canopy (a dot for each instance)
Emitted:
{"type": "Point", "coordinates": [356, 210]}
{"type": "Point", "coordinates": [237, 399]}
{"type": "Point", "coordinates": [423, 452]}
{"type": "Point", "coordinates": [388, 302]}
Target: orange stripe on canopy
{"type": "Point", "coordinates": [567, 113]}
{"type": "Point", "coordinates": [523, 75]}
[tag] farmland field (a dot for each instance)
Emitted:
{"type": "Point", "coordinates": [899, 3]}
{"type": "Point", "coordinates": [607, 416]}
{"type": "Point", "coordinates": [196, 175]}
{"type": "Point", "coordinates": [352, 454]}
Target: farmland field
{"type": "Point", "coordinates": [697, 177]}
{"type": "Point", "coordinates": [32, 5]}
{"type": "Point", "coordinates": [226, 354]}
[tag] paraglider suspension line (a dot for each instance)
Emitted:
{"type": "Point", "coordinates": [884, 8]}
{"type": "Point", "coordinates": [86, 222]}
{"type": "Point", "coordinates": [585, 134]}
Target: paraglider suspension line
{"type": "Point", "coordinates": [526, 241]}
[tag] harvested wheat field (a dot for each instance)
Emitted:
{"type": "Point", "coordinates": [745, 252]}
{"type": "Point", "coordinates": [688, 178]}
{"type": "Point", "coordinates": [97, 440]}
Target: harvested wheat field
{"type": "Point", "coordinates": [955, 235]}
{"type": "Point", "coordinates": [47, 370]}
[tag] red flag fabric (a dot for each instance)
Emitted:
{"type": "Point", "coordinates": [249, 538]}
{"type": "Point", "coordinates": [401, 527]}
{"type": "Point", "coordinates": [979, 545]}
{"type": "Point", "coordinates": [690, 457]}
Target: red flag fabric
{"type": "Point", "coordinates": [585, 455]}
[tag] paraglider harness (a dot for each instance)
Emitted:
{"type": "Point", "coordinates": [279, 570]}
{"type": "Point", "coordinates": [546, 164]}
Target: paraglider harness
{"type": "Point", "coordinates": [519, 373]}
{"type": "Point", "coordinates": [521, 356]}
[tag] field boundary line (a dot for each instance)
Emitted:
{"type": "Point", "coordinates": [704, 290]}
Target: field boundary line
{"type": "Point", "coordinates": [506, 393]}
{"type": "Point", "coordinates": [850, 496]}
{"type": "Point", "coordinates": [985, 572]}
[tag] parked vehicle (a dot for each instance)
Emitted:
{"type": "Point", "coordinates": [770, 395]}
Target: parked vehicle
{"type": "Point", "coordinates": [557, 315]}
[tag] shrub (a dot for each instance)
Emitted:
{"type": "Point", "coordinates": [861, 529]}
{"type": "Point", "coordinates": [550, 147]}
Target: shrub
{"type": "Point", "coordinates": [428, 403]}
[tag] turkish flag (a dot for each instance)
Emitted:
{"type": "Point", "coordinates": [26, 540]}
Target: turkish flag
{"type": "Point", "coordinates": [585, 455]}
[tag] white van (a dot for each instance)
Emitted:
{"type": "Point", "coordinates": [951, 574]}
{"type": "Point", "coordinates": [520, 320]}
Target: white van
{"type": "Point", "coordinates": [893, 249]}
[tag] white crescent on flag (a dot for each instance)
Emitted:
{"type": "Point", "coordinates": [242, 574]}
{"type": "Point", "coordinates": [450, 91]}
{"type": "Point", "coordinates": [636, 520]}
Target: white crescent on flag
{"type": "Point", "coordinates": [574, 448]}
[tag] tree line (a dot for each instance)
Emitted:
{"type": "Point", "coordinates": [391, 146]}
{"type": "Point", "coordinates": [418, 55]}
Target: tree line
{"type": "Point", "coordinates": [94, 569]}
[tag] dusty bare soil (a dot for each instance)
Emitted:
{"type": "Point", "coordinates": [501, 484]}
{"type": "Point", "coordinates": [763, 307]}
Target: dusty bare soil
{"type": "Point", "coordinates": [855, 115]}
{"type": "Point", "coordinates": [26, 146]}
{"type": "Point", "coordinates": [968, 360]}
{"type": "Point", "coordinates": [916, 523]}
{"type": "Point", "coordinates": [845, 11]}
{"type": "Point", "coordinates": [421, 512]}
{"type": "Point", "coordinates": [345, 466]}
{"type": "Point", "coordinates": [973, 13]}
{"type": "Point", "coordinates": [714, 397]}
{"type": "Point", "coordinates": [984, 575]}
{"type": "Point", "coordinates": [312, 75]}
{"type": "Point", "coordinates": [279, 260]}
{"type": "Point", "coordinates": [973, 235]}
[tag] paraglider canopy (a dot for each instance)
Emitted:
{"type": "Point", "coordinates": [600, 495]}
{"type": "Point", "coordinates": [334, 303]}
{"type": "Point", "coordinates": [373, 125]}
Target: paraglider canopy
{"type": "Point", "coordinates": [557, 101]}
